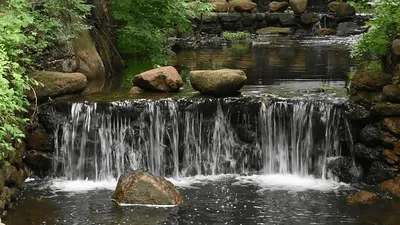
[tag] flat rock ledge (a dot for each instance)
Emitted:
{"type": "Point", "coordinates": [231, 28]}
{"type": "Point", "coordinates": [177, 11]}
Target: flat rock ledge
{"type": "Point", "coordinates": [218, 83]}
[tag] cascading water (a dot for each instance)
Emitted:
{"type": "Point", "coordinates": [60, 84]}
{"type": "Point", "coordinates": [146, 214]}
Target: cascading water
{"type": "Point", "coordinates": [198, 137]}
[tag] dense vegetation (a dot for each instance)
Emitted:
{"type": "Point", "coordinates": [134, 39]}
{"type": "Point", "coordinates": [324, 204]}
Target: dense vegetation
{"type": "Point", "coordinates": [27, 29]}
{"type": "Point", "coordinates": [144, 24]}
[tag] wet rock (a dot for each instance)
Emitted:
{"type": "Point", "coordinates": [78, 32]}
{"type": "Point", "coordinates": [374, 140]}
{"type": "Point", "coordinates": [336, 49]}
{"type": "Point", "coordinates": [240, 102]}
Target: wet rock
{"type": "Point", "coordinates": [135, 91]}
{"type": "Point", "coordinates": [357, 112]}
{"type": "Point", "coordinates": [12, 176]}
{"type": "Point", "coordinates": [397, 148]}
{"type": "Point", "coordinates": [309, 18]}
{"type": "Point", "coordinates": [392, 93]}
{"type": "Point", "coordinates": [275, 30]}
{"type": "Point", "coordinates": [379, 172]}
{"type": "Point", "coordinates": [366, 80]}
{"type": "Point", "coordinates": [229, 17]}
{"type": "Point", "coordinates": [369, 97]}
{"type": "Point", "coordinates": [298, 6]}
{"type": "Point", "coordinates": [55, 84]}
{"type": "Point", "coordinates": [164, 79]}
{"type": "Point", "coordinates": [246, 133]}
{"type": "Point", "coordinates": [363, 152]}
{"type": "Point", "coordinates": [392, 124]}
{"type": "Point", "coordinates": [392, 186]}
{"type": "Point", "coordinates": [344, 10]}
{"type": "Point", "coordinates": [386, 109]}
{"type": "Point", "coordinates": [220, 5]}
{"type": "Point", "coordinates": [260, 16]}
{"type": "Point", "coordinates": [349, 28]}
{"type": "Point", "coordinates": [209, 18]}
{"type": "Point", "coordinates": [362, 197]}
{"type": "Point", "coordinates": [271, 17]}
{"type": "Point", "coordinates": [278, 6]}
{"type": "Point", "coordinates": [344, 169]}
{"type": "Point", "coordinates": [39, 162]}
{"type": "Point", "coordinates": [287, 20]}
{"type": "Point", "coordinates": [142, 188]}
{"type": "Point", "coordinates": [388, 140]}
{"type": "Point", "coordinates": [39, 139]}
{"type": "Point", "coordinates": [243, 5]}
{"type": "Point", "coordinates": [223, 82]}
{"type": "Point", "coordinates": [396, 70]}
{"type": "Point", "coordinates": [371, 135]}
{"type": "Point", "coordinates": [248, 19]}
{"type": "Point", "coordinates": [396, 46]}
{"type": "Point", "coordinates": [390, 156]}
{"type": "Point", "coordinates": [332, 6]}
{"type": "Point", "coordinates": [5, 197]}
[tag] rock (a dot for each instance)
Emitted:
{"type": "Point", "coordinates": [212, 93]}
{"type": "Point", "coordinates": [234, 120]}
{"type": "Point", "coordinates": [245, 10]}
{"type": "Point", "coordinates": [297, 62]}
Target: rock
{"type": "Point", "coordinates": [248, 19]}
{"type": "Point", "coordinates": [366, 80]}
{"type": "Point", "coordinates": [396, 46]}
{"type": "Point", "coordinates": [142, 188]}
{"type": "Point", "coordinates": [309, 18]}
{"type": "Point", "coordinates": [349, 28]}
{"type": "Point", "coordinates": [379, 172]}
{"type": "Point", "coordinates": [386, 109]}
{"type": "Point", "coordinates": [392, 93]}
{"type": "Point", "coordinates": [389, 140]}
{"type": "Point", "coordinates": [243, 5]}
{"type": "Point", "coordinates": [344, 169]}
{"type": "Point", "coordinates": [356, 112]}
{"type": "Point", "coordinates": [223, 82]}
{"type": "Point", "coordinates": [287, 20]}
{"type": "Point", "coordinates": [164, 79]}
{"type": "Point", "coordinates": [325, 31]}
{"type": "Point", "coordinates": [271, 17]}
{"type": "Point", "coordinates": [12, 176]}
{"type": "Point", "coordinates": [365, 153]}
{"type": "Point", "coordinates": [1, 182]}
{"type": "Point", "coordinates": [55, 84]}
{"type": "Point", "coordinates": [275, 30]}
{"type": "Point", "coordinates": [362, 197]}
{"type": "Point", "coordinates": [332, 6]}
{"type": "Point", "coordinates": [278, 6]}
{"type": "Point", "coordinates": [229, 17]}
{"type": "Point", "coordinates": [390, 156]}
{"type": "Point", "coordinates": [396, 71]}
{"type": "Point", "coordinates": [39, 162]}
{"type": "Point", "coordinates": [298, 6]}
{"type": "Point", "coordinates": [371, 135]}
{"type": "Point", "coordinates": [5, 197]}
{"type": "Point", "coordinates": [392, 186]}
{"type": "Point", "coordinates": [392, 124]}
{"type": "Point", "coordinates": [397, 148]}
{"type": "Point", "coordinates": [15, 192]}
{"type": "Point", "coordinates": [369, 97]}
{"type": "Point", "coordinates": [208, 18]}
{"type": "Point", "coordinates": [344, 10]}
{"type": "Point", "coordinates": [135, 91]}
{"type": "Point", "coordinates": [220, 5]}
{"type": "Point", "coordinates": [39, 140]}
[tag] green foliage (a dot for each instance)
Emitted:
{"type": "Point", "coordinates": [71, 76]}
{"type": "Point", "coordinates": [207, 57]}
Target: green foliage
{"type": "Point", "coordinates": [27, 28]}
{"type": "Point", "coordinates": [384, 28]}
{"type": "Point", "coordinates": [361, 6]}
{"type": "Point", "coordinates": [235, 36]}
{"type": "Point", "coordinates": [145, 23]}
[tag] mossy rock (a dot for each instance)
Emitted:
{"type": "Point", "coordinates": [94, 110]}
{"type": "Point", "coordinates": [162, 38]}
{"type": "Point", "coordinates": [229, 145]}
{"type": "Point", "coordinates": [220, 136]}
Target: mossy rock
{"type": "Point", "coordinates": [366, 80]}
{"type": "Point", "coordinates": [275, 30]}
{"type": "Point", "coordinates": [362, 197]}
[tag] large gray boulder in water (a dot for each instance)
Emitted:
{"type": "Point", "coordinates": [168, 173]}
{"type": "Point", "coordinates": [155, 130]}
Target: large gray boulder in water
{"type": "Point", "coordinates": [219, 83]}
{"type": "Point", "coordinates": [163, 79]}
{"type": "Point", "coordinates": [140, 187]}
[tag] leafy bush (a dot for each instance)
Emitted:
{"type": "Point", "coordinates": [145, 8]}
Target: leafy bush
{"type": "Point", "coordinates": [235, 36]}
{"type": "Point", "coordinates": [144, 24]}
{"type": "Point", "coordinates": [385, 26]}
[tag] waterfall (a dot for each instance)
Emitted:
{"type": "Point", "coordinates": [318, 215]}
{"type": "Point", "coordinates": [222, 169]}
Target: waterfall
{"type": "Point", "coordinates": [198, 136]}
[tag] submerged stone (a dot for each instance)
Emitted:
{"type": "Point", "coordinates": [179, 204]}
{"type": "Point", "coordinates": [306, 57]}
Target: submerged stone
{"type": "Point", "coordinates": [143, 188]}
{"type": "Point", "coordinates": [392, 186]}
{"type": "Point", "coordinates": [362, 197]}
{"type": "Point", "coordinates": [223, 82]}
{"type": "Point", "coordinates": [164, 79]}
{"type": "Point", "coordinates": [325, 31]}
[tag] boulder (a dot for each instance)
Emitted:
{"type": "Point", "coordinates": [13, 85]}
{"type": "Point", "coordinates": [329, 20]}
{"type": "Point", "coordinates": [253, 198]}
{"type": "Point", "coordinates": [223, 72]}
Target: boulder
{"type": "Point", "coordinates": [343, 168]}
{"type": "Point", "coordinates": [39, 162]}
{"type": "Point", "coordinates": [371, 135]}
{"type": "Point", "coordinates": [356, 111]}
{"type": "Point", "coordinates": [332, 6]}
{"type": "Point", "coordinates": [364, 96]}
{"type": "Point", "coordinates": [53, 84]}
{"type": "Point", "coordinates": [379, 172]}
{"type": "Point", "coordinates": [135, 91]}
{"type": "Point", "coordinates": [287, 20]}
{"type": "Point", "coordinates": [349, 28]}
{"type": "Point", "coordinates": [309, 18]}
{"type": "Point", "coordinates": [344, 10]}
{"type": "Point", "coordinates": [223, 82]}
{"type": "Point", "coordinates": [298, 6]}
{"type": "Point", "coordinates": [243, 5]}
{"type": "Point", "coordinates": [392, 124]}
{"type": "Point", "coordinates": [390, 157]}
{"type": "Point", "coordinates": [396, 46]}
{"type": "Point", "coordinates": [325, 31]}
{"type": "Point", "coordinates": [271, 17]}
{"type": "Point", "coordinates": [140, 187]}
{"type": "Point", "coordinates": [163, 79]}
{"type": "Point", "coordinates": [220, 5]}
{"type": "Point", "coordinates": [275, 30]}
{"type": "Point", "coordinates": [248, 19]}
{"type": "Point", "coordinates": [278, 6]}
{"type": "Point", "coordinates": [38, 139]}
{"type": "Point", "coordinates": [362, 197]}
{"type": "Point", "coordinates": [392, 186]}
{"type": "Point", "coordinates": [386, 109]}
{"type": "Point", "coordinates": [366, 80]}
{"type": "Point", "coordinates": [392, 93]}
{"type": "Point", "coordinates": [365, 153]}
{"type": "Point", "coordinates": [12, 176]}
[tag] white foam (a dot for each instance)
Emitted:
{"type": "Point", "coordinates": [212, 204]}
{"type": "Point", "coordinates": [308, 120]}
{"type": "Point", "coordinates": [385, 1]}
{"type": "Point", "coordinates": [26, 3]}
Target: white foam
{"type": "Point", "coordinates": [29, 180]}
{"type": "Point", "coordinates": [147, 205]}
{"type": "Point", "coordinates": [82, 185]}
{"type": "Point", "coordinates": [289, 182]}
{"type": "Point", "coordinates": [188, 182]}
